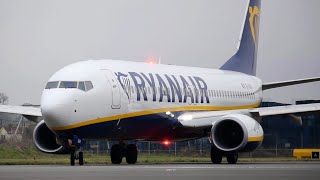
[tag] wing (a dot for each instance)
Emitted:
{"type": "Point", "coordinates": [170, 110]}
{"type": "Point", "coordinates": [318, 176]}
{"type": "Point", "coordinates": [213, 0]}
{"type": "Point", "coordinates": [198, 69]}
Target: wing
{"type": "Point", "coordinates": [290, 109]}
{"type": "Point", "coordinates": [206, 119]}
{"type": "Point", "coordinates": [29, 112]}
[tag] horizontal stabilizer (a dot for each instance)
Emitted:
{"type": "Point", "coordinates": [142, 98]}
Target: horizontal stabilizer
{"type": "Point", "coordinates": [288, 83]}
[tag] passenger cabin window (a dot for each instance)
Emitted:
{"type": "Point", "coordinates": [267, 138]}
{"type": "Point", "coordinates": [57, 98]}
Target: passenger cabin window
{"type": "Point", "coordinates": [52, 85]}
{"type": "Point", "coordinates": [68, 84]}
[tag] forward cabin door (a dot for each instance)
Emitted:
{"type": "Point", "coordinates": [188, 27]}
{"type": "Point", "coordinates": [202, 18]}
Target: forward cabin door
{"type": "Point", "coordinates": [115, 89]}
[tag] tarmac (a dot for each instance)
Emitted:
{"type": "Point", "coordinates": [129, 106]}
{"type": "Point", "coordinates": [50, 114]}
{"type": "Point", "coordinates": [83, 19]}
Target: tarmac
{"type": "Point", "coordinates": [243, 171]}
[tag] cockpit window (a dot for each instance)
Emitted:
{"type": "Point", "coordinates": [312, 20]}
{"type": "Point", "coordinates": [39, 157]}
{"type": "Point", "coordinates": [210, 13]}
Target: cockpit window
{"type": "Point", "coordinates": [81, 86]}
{"type": "Point", "coordinates": [52, 84]}
{"type": "Point", "coordinates": [68, 84]}
{"type": "Point", "coordinates": [89, 85]}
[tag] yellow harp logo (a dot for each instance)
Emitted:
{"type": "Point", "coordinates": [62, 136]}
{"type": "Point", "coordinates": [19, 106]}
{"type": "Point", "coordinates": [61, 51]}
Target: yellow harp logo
{"type": "Point", "coordinates": [254, 14]}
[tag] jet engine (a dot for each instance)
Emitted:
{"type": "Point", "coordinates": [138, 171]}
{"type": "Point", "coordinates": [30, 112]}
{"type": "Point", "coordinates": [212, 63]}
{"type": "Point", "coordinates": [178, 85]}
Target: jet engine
{"type": "Point", "coordinates": [45, 140]}
{"type": "Point", "coordinates": [236, 132]}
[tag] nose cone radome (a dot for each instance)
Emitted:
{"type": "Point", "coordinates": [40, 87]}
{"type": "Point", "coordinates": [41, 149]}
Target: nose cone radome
{"type": "Point", "coordinates": [56, 107]}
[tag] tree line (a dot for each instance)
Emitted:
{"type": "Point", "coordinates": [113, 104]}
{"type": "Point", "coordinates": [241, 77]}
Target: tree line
{"type": "Point", "coordinates": [4, 99]}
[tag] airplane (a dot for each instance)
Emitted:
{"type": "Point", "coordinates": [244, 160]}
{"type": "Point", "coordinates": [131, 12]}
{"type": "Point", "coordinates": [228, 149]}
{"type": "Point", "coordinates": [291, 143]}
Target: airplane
{"type": "Point", "coordinates": [122, 100]}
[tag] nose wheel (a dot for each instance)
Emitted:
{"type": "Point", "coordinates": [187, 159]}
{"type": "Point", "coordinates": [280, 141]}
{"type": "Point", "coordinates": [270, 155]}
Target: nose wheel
{"type": "Point", "coordinates": [76, 156]}
{"type": "Point", "coordinates": [118, 151]}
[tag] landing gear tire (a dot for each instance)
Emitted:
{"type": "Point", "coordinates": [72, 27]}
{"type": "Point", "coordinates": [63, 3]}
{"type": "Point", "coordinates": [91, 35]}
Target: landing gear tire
{"type": "Point", "coordinates": [116, 154]}
{"type": "Point", "coordinates": [131, 154]}
{"type": "Point", "coordinates": [72, 158]}
{"type": "Point", "coordinates": [232, 158]}
{"type": "Point", "coordinates": [216, 157]}
{"type": "Point", "coordinates": [80, 158]}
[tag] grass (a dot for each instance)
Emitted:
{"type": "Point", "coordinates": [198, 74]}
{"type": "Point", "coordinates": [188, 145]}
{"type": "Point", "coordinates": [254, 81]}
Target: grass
{"type": "Point", "coordinates": [12, 155]}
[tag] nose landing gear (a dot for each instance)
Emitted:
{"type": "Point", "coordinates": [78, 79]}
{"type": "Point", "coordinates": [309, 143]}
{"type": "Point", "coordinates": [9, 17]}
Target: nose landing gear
{"type": "Point", "coordinates": [76, 153]}
{"type": "Point", "coordinates": [118, 151]}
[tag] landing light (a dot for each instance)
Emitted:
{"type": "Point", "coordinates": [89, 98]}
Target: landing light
{"type": "Point", "coordinates": [168, 113]}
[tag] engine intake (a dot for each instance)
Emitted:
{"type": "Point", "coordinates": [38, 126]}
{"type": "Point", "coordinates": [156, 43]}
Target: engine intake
{"type": "Point", "coordinates": [231, 132]}
{"type": "Point", "coordinates": [45, 140]}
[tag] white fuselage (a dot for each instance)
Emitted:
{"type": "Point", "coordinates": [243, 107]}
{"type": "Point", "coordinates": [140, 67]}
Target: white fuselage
{"type": "Point", "coordinates": [124, 90]}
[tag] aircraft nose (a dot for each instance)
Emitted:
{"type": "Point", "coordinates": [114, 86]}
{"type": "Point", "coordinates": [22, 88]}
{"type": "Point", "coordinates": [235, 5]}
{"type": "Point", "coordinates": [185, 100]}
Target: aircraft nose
{"type": "Point", "coordinates": [56, 108]}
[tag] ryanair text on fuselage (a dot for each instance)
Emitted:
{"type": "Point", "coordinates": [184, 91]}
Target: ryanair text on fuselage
{"type": "Point", "coordinates": [176, 88]}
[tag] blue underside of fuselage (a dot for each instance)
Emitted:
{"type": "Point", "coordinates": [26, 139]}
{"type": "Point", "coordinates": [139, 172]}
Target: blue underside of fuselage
{"type": "Point", "coordinates": [155, 127]}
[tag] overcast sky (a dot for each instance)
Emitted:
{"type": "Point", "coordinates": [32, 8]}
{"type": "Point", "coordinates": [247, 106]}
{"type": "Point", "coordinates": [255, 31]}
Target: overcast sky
{"type": "Point", "coordinates": [38, 37]}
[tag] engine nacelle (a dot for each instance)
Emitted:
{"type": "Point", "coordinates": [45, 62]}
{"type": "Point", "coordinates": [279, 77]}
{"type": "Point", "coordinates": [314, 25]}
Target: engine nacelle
{"type": "Point", "coordinates": [236, 132]}
{"type": "Point", "coordinates": [45, 140]}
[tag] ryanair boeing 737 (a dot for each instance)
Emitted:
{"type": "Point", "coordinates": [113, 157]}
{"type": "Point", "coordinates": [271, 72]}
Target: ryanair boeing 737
{"type": "Point", "coordinates": [121, 101]}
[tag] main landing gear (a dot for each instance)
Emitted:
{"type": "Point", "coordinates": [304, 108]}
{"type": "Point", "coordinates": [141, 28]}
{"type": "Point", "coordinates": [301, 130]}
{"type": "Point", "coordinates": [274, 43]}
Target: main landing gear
{"type": "Point", "coordinates": [118, 151]}
{"type": "Point", "coordinates": [216, 157]}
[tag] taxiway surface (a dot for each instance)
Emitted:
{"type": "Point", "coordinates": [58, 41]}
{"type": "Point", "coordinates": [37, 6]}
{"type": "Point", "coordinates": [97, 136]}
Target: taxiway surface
{"type": "Point", "coordinates": [260, 171]}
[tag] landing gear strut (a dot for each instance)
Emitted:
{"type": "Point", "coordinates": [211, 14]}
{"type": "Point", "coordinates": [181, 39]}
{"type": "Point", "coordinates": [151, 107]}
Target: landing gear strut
{"type": "Point", "coordinates": [118, 151]}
